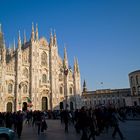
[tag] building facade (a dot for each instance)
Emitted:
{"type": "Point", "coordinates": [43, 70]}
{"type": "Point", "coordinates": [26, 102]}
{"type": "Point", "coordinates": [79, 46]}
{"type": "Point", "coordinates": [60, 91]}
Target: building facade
{"type": "Point", "coordinates": [134, 80]}
{"type": "Point", "coordinates": [106, 97]}
{"type": "Point", "coordinates": [33, 75]}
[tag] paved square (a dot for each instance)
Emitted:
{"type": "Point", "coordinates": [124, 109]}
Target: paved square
{"type": "Point", "coordinates": [55, 131]}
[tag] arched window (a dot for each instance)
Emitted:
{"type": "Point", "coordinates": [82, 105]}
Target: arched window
{"type": "Point", "coordinates": [139, 90]}
{"type": "Point", "coordinates": [25, 72]}
{"type": "Point", "coordinates": [70, 90]}
{"type": "Point", "coordinates": [137, 81]}
{"type": "Point", "coordinates": [10, 88]}
{"type": "Point", "coordinates": [44, 59]}
{"type": "Point", "coordinates": [25, 89]}
{"type": "Point", "coordinates": [44, 78]}
{"type": "Point", "coordinates": [61, 90]}
{"type": "Point", "coordinates": [131, 80]}
{"type": "Point", "coordinates": [134, 91]}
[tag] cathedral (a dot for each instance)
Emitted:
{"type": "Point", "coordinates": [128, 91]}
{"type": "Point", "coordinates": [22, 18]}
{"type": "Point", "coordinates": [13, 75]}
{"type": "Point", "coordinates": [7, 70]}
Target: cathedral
{"type": "Point", "coordinates": [33, 76]}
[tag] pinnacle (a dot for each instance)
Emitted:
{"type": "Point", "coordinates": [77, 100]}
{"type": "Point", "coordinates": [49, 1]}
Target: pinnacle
{"type": "Point", "coordinates": [0, 28]}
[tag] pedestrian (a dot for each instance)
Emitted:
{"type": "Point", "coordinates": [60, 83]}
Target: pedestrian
{"type": "Point", "coordinates": [38, 121]}
{"type": "Point", "coordinates": [93, 127]}
{"type": "Point", "coordinates": [43, 125]}
{"type": "Point", "coordinates": [19, 123]}
{"type": "Point", "coordinates": [115, 123]}
{"type": "Point", "coordinates": [83, 123]}
{"type": "Point", "coordinates": [66, 119]}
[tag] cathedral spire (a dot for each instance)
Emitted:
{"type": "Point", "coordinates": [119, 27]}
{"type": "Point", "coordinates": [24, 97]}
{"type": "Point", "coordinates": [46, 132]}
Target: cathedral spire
{"type": "Point", "coordinates": [32, 27]}
{"type": "Point", "coordinates": [4, 46]}
{"type": "Point", "coordinates": [65, 59]}
{"type": "Point", "coordinates": [32, 34]}
{"type": "Point", "coordinates": [36, 33]}
{"type": "Point", "coordinates": [55, 39]}
{"type": "Point", "coordinates": [65, 54]}
{"type": "Point", "coordinates": [14, 45]}
{"type": "Point", "coordinates": [19, 40]}
{"type": "Point", "coordinates": [24, 37]}
{"type": "Point", "coordinates": [4, 51]}
{"type": "Point", "coordinates": [1, 38]}
{"type": "Point", "coordinates": [84, 86]}
{"type": "Point", "coordinates": [0, 28]}
{"type": "Point", "coordinates": [51, 38]}
{"type": "Point", "coordinates": [77, 65]}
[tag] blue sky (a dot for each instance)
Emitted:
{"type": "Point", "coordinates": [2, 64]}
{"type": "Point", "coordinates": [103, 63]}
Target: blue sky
{"type": "Point", "coordinates": [103, 34]}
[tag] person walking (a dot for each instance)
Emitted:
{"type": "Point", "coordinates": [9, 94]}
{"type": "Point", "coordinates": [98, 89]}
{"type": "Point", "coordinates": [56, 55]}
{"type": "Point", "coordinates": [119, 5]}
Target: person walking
{"type": "Point", "coordinates": [43, 124]}
{"type": "Point", "coordinates": [83, 123]}
{"type": "Point", "coordinates": [115, 123]}
{"type": "Point", "coordinates": [66, 119]}
{"type": "Point", "coordinates": [38, 121]}
{"type": "Point", "coordinates": [19, 123]}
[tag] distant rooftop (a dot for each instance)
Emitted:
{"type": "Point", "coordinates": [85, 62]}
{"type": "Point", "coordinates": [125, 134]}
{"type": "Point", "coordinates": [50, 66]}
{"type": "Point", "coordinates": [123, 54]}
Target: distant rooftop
{"type": "Point", "coordinates": [107, 91]}
{"type": "Point", "coordinates": [137, 71]}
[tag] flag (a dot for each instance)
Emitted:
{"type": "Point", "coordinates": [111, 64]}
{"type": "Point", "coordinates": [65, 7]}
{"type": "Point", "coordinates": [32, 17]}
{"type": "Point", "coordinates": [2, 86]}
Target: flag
{"type": "Point", "coordinates": [29, 100]}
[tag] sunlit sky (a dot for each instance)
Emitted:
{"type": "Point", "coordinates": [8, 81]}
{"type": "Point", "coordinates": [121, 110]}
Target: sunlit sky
{"type": "Point", "coordinates": [103, 34]}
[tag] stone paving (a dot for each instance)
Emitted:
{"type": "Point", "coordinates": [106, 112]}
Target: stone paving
{"type": "Point", "coordinates": [55, 131]}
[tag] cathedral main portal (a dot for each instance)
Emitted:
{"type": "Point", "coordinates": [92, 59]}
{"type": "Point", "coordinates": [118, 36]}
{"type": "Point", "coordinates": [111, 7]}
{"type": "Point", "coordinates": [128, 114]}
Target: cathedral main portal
{"type": "Point", "coordinates": [24, 106]}
{"type": "Point", "coordinates": [9, 107]}
{"type": "Point", "coordinates": [44, 103]}
{"type": "Point", "coordinates": [61, 105]}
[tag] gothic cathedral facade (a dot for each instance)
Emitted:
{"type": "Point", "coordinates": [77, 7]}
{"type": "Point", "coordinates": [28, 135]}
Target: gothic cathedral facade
{"type": "Point", "coordinates": [34, 76]}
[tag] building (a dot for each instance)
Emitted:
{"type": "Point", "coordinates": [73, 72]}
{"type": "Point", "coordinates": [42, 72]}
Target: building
{"type": "Point", "coordinates": [105, 97]}
{"type": "Point", "coordinates": [34, 76]}
{"type": "Point", "coordinates": [134, 80]}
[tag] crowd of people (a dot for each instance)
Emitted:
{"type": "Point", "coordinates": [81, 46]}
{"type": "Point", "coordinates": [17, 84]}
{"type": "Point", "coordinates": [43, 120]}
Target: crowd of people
{"type": "Point", "coordinates": [89, 123]}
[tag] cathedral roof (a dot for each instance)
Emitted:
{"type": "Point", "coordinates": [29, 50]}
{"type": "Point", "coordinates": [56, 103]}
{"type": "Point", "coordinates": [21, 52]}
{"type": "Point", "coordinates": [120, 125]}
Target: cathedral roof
{"type": "Point", "coordinates": [43, 41]}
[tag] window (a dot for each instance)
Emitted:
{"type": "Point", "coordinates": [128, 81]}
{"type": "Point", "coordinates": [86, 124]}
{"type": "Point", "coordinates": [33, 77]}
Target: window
{"type": "Point", "coordinates": [118, 101]}
{"type": "Point", "coordinates": [70, 90]}
{"type": "Point", "coordinates": [134, 91]}
{"type": "Point", "coordinates": [137, 81]}
{"type": "Point", "coordinates": [44, 59]}
{"type": "Point", "coordinates": [61, 90]}
{"type": "Point", "coordinates": [25, 89]}
{"type": "Point", "coordinates": [90, 102]}
{"type": "Point", "coordinates": [10, 88]}
{"type": "Point", "coordinates": [25, 72]}
{"type": "Point", "coordinates": [139, 90]}
{"type": "Point", "coordinates": [131, 80]}
{"type": "Point", "coordinates": [113, 101]}
{"type": "Point", "coordinates": [44, 78]}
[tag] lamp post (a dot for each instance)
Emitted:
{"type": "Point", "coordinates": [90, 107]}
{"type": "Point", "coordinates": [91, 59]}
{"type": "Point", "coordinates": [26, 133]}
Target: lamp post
{"type": "Point", "coordinates": [65, 86]}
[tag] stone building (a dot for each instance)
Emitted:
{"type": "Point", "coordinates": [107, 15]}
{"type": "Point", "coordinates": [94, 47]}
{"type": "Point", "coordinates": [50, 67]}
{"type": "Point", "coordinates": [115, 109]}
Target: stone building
{"type": "Point", "coordinates": [34, 76]}
{"type": "Point", "coordinates": [134, 80]}
{"type": "Point", "coordinates": [105, 97]}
